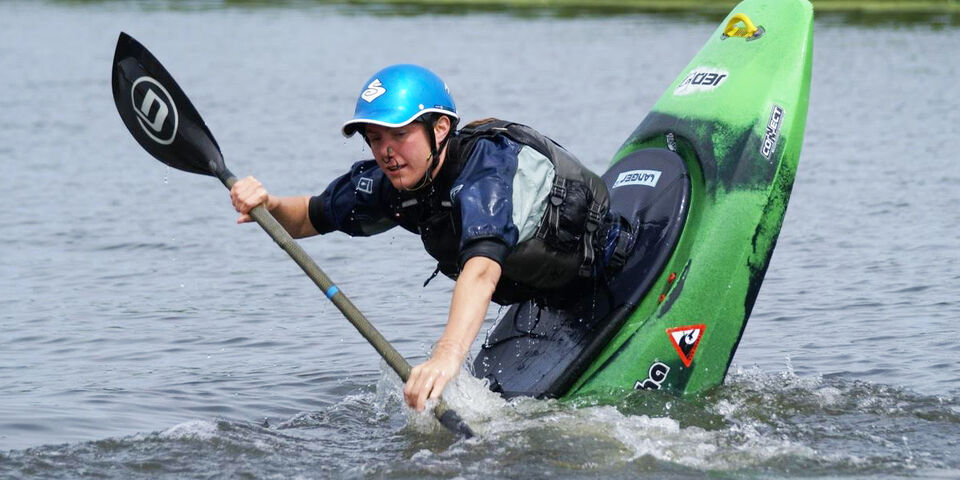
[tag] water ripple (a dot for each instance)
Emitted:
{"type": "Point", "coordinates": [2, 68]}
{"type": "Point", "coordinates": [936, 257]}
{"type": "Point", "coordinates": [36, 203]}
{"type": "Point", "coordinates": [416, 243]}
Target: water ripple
{"type": "Point", "coordinates": [132, 303]}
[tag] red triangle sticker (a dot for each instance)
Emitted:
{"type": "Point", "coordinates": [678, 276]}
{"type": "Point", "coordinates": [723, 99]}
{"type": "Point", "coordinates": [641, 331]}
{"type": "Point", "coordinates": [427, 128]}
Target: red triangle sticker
{"type": "Point", "coordinates": [686, 340]}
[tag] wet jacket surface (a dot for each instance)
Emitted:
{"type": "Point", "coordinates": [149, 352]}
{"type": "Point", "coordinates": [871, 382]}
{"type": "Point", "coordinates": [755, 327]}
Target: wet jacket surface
{"type": "Point", "coordinates": [504, 192]}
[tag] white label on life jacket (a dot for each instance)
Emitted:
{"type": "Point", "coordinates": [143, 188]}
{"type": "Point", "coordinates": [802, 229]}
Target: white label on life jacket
{"type": "Point", "coordinates": [365, 185]}
{"type": "Point", "coordinates": [638, 177]}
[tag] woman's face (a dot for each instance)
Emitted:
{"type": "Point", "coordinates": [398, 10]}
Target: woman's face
{"type": "Point", "coordinates": [403, 153]}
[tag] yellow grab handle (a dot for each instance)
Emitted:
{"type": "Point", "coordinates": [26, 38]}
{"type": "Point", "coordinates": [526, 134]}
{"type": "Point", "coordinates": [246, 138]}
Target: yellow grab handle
{"type": "Point", "coordinates": [734, 30]}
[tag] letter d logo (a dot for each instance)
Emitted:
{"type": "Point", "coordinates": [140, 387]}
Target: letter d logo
{"type": "Point", "coordinates": [156, 112]}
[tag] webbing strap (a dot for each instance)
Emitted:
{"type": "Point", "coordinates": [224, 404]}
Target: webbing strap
{"type": "Point", "coordinates": [621, 251]}
{"type": "Point", "coordinates": [558, 193]}
{"type": "Point", "coordinates": [594, 220]}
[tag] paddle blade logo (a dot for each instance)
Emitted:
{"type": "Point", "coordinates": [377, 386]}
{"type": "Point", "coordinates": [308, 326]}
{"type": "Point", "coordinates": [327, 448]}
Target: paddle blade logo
{"type": "Point", "coordinates": [374, 90]}
{"type": "Point", "coordinates": [156, 112]}
{"type": "Point", "coordinates": [685, 340]}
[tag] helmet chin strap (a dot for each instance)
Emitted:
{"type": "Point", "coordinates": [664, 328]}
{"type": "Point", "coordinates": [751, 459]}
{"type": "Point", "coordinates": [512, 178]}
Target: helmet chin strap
{"type": "Point", "coordinates": [434, 157]}
{"type": "Point", "coordinates": [427, 177]}
{"type": "Point", "coordinates": [420, 183]}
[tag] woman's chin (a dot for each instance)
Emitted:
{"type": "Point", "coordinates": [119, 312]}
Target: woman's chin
{"type": "Point", "coordinates": [403, 181]}
{"type": "Point", "coordinates": [400, 182]}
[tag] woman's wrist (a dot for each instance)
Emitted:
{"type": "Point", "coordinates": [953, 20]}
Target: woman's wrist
{"type": "Point", "coordinates": [271, 203]}
{"type": "Point", "coordinates": [450, 349]}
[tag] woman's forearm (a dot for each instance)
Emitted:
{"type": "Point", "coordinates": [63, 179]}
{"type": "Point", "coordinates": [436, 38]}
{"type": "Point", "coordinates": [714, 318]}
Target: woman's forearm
{"type": "Point", "coordinates": [293, 215]}
{"type": "Point", "coordinates": [292, 212]}
{"type": "Point", "coordinates": [471, 298]}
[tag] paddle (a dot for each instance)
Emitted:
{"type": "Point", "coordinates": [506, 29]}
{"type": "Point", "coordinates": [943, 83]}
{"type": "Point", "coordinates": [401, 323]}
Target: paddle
{"type": "Point", "coordinates": [162, 119]}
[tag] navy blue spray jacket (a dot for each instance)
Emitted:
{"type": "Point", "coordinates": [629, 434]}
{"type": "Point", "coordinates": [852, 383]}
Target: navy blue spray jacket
{"type": "Point", "coordinates": [504, 192]}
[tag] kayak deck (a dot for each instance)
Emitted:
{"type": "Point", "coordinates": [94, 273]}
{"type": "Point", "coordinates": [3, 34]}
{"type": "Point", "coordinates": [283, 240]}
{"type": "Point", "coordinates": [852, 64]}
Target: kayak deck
{"type": "Point", "coordinates": [732, 125]}
{"type": "Point", "coordinates": [540, 351]}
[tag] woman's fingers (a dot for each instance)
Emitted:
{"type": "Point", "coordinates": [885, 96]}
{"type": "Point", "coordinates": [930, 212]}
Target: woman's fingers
{"type": "Point", "coordinates": [246, 194]}
{"type": "Point", "coordinates": [411, 390]}
{"type": "Point", "coordinates": [438, 385]}
{"type": "Point", "coordinates": [408, 388]}
{"type": "Point", "coordinates": [425, 382]}
{"type": "Point", "coordinates": [424, 390]}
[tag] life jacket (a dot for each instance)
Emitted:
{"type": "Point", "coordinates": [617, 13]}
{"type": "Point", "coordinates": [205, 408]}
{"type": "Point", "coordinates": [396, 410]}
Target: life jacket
{"type": "Point", "coordinates": [564, 247]}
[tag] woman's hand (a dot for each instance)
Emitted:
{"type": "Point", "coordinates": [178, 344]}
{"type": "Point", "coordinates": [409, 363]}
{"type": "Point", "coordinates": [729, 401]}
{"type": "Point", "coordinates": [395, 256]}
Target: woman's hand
{"type": "Point", "coordinates": [291, 212]}
{"type": "Point", "coordinates": [246, 194]}
{"type": "Point", "coordinates": [428, 379]}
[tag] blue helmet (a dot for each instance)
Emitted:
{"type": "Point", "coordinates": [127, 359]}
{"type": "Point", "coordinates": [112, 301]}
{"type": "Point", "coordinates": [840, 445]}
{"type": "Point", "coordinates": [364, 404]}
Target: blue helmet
{"type": "Point", "coordinates": [398, 95]}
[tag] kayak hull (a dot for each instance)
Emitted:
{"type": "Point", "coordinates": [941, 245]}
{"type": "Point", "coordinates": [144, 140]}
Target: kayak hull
{"type": "Point", "coordinates": [705, 180]}
{"type": "Point", "coordinates": [736, 115]}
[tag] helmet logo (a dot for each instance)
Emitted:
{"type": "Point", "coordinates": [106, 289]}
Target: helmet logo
{"type": "Point", "coordinates": [374, 90]}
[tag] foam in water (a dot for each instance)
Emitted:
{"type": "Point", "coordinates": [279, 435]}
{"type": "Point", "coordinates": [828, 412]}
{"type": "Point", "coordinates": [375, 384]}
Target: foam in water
{"type": "Point", "coordinates": [610, 437]}
{"type": "Point", "coordinates": [192, 430]}
{"type": "Point", "coordinates": [758, 420]}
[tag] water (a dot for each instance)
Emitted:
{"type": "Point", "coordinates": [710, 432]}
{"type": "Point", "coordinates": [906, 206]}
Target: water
{"type": "Point", "coordinates": [146, 335]}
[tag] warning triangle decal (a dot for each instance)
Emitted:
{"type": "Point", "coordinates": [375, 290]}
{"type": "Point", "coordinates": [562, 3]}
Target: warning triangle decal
{"type": "Point", "coordinates": [685, 340]}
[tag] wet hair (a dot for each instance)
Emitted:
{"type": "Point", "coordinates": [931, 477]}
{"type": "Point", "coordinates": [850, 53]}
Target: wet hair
{"type": "Point", "coordinates": [482, 121]}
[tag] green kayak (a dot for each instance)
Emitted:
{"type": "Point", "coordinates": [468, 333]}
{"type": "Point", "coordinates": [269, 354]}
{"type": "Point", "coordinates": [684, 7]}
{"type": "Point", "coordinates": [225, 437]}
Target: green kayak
{"type": "Point", "coordinates": [705, 178]}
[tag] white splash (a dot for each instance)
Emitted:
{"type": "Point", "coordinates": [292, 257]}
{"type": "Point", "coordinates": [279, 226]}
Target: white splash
{"type": "Point", "coordinates": [192, 430]}
{"type": "Point", "coordinates": [602, 433]}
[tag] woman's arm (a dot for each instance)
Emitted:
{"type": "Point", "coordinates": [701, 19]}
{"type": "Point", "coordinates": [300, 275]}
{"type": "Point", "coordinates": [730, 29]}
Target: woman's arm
{"type": "Point", "coordinates": [471, 297]}
{"type": "Point", "coordinates": [291, 212]}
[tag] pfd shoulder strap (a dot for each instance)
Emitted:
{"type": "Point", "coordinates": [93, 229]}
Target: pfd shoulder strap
{"type": "Point", "coordinates": [462, 145]}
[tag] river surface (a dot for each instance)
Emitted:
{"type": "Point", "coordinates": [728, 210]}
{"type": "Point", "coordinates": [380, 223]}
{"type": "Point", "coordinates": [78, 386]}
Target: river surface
{"type": "Point", "coordinates": [145, 335]}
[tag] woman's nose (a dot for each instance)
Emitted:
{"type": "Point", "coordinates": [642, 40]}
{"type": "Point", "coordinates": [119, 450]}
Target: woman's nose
{"type": "Point", "coordinates": [387, 154]}
{"type": "Point", "coordinates": [384, 150]}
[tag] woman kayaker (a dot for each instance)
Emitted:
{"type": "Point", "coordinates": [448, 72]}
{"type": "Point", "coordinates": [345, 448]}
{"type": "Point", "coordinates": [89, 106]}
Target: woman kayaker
{"type": "Point", "coordinates": [507, 213]}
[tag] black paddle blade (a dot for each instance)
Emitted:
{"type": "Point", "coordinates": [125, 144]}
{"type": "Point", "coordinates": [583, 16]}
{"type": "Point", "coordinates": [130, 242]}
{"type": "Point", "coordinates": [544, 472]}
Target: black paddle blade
{"type": "Point", "coordinates": [159, 115]}
{"type": "Point", "coordinates": [455, 424]}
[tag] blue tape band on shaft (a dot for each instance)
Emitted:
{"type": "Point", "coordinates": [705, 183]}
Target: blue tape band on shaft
{"type": "Point", "coordinates": [332, 291]}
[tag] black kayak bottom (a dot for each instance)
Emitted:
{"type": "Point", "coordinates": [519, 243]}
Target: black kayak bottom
{"type": "Point", "coordinates": [541, 351]}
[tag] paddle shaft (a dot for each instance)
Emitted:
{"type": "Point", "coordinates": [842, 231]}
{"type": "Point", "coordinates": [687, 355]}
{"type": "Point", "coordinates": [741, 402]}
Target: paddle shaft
{"type": "Point", "coordinates": [265, 219]}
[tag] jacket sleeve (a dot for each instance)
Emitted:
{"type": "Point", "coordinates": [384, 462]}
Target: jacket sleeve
{"type": "Point", "coordinates": [483, 193]}
{"type": "Point", "coordinates": [354, 203]}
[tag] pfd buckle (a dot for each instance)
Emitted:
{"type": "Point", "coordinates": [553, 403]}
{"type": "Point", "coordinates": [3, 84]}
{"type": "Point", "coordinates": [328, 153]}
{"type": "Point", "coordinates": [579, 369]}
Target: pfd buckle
{"type": "Point", "coordinates": [594, 220]}
{"type": "Point", "coordinates": [594, 217]}
{"type": "Point", "coordinates": [623, 248]}
{"type": "Point", "coordinates": [558, 192]}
